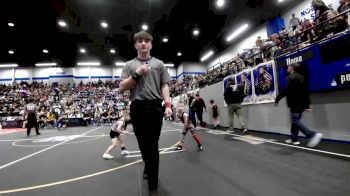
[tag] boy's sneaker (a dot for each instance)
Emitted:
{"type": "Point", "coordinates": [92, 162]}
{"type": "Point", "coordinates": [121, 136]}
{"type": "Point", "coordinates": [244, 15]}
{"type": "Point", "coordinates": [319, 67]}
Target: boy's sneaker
{"type": "Point", "coordinates": [107, 156]}
{"type": "Point", "coordinates": [315, 140]}
{"type": "Point", "coordinates": [145, 176]}
{"type": "Point", "coordinates": [245, 131]}
{"type": "Point", "coordinates": [230, 131]}
{"type": "Point", "coordinates": [289, 141]}
{"type": "Point", "coordinates": [125, 152]}
{"type": "Point", "coordinates": [200, 147]}
{"type": "Point", "coordinates": [178, 147]}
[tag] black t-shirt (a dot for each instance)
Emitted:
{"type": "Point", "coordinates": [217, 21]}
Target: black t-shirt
{"type": "Point", "coordinates": [234, 95]}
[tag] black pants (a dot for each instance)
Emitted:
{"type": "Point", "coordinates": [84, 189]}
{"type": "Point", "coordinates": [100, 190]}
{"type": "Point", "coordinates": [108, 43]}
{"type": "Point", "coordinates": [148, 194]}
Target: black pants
{"type": "Point", "coordinates": [147, 119]}
{"type": "Point", "coordinates": [192, 117]}
{"type": "Point", "coordinates": [32, 122]}
{"type": "Point", "coordinates": [200, 116]}
{"type": "Point", "coordinates": [86, 121]}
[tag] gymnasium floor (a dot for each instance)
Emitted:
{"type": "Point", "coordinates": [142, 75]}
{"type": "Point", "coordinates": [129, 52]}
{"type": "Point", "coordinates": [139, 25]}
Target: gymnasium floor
{"type": "Point", "coordinates": [69, 162]}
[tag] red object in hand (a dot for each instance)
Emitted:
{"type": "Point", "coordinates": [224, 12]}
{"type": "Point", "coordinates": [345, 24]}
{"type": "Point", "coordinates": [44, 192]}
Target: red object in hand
{"type": "Point", "coordinates": [168, 104]}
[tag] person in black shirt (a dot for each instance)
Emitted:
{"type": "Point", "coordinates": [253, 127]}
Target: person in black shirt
{"type": "Point", "coordinates": [234, 95]}
{"type": "Point", "coordinates": [198, 104]}
{"type": "Point", "coordinates": [30, 115]}
{"type": "Point", "coordinates": [298, 101]}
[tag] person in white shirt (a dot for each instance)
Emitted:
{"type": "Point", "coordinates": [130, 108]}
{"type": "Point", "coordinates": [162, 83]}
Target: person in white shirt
{"type": "Point", "coordinates": [294, 22]}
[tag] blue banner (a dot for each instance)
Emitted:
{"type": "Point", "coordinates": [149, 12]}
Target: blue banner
{"type": "Point", "coordinates": [245, 78]}
{"type": "Point", "coordinates": [264, 83]}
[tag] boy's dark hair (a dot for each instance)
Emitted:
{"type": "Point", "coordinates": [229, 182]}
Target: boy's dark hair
{"type": "Point", "coordinates": [143, 35]}
{"type": "Point", "coordinates": [231, 80]}
{"type": "Point", "coordinates": [211, 101]}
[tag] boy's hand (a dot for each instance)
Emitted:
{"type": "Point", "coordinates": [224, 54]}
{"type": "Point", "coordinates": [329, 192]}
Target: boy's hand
{"type": "Point", "coordinates": [168, 112]}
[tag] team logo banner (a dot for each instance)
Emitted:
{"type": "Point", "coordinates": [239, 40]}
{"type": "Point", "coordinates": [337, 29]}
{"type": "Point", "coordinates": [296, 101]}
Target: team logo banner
{"type": "Point", "coordinates": [264, 83]}
{"type": "Point", "coordinates": [260, 83]}
{"type": "Point", "coordinates": [245, 78]}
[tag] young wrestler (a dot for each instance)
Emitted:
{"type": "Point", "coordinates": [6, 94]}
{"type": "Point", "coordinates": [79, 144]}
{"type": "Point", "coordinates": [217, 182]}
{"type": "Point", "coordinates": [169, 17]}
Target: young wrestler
{"type": "Point", "coordinates": [188, 126]}
{"type": "Point", "coordinates": [116, 134]}
{"type": "Point", "coordinates": [215, 115]}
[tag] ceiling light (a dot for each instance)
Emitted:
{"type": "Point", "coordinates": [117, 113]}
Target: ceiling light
{"type": "Point", "coordinates": [62, 23]}
{"type": "Point", "coordinates": [280, 0]}
{"type": "Point", "coordinates": [120, 63]}
{"type": "Point", "coordinates": [82, 50]}
{"type": "Point", "coordinates": [11, 24]}
{"type": "Point", "coordinates": [45, 64]}
{"type": "Point", "coordinates": [94, 63]}
{"type": "Point", "coordinates": [104, 24]}
{"type": "Point", "coordinates": [237, 32]}
{"type": "Point", "coordinates": [195, 32]}
{"type": "Point", "coordinates": [144, 27]}
{"type": "Point", "coordinates": [8, 65]}
{"type": "Point", "coordinates": [11, 52]}
{"type": "Point", "coordinates": [45, 51]}
{"type": "Point", "coordinates": [169, 65]}
{"type": "Point", "coordinates": [112, 51]}
{"type": "Point", "coordinates": [207, 55]}
{"type": "Point", "coordinates": [179, 54]}
{"type": "Point", "coordinates": [220, 3]}
{"type": "Point", "coordinates": [165, 40]}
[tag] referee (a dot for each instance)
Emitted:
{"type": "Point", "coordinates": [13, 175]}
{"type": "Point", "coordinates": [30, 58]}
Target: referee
{"type": "Point", "coordinates": [147, 79]}
{"type": "Point", "coordinates": [30, 112]}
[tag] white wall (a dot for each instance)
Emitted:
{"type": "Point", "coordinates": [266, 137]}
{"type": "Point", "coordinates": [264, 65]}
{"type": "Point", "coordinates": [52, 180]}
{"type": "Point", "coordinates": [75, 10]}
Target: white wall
{"type": "Point", "coordinates": [172, 72]}
{"type": "Point", "coordinates": [102, 73]}
{"type": "Point", "coordinates": [40, 74]}
{"type": "Point", "coordinates": [23, 74]}
{"type": "Point", "coordinates": [117, 72]}
{"type": "Point", "coordinates": [329, 116]}
{"type": "Point", "coordinates": [6, 75]}
{"type": "Point", "coordinates": [194, 67]}
{"type": "Point", "coordinates": [82, 71]}
{"type": "Point", "coordinates": [179, 71]}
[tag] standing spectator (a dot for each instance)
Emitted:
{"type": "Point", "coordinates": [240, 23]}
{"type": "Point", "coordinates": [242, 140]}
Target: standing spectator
{"type": "Point", "coordinates": [294, 22]}
{"type": "Point", "coordinates": [320, 10]}
{"type": "Point", "coordinates": [199, 104]}
{"type": "Point", "coordinates": [234, 95]}
{"type": "Point", "coordinates": [344, 5]}
{"type": "Point", "coordinates": [298, 101]}
{"type": "Point", "coordinates": [147, 79]}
